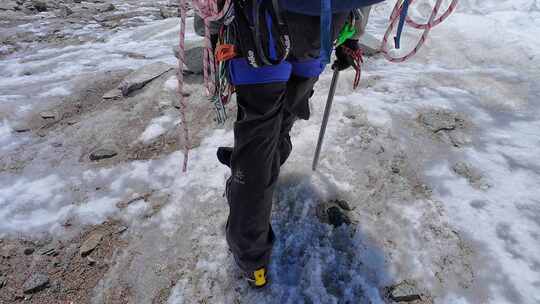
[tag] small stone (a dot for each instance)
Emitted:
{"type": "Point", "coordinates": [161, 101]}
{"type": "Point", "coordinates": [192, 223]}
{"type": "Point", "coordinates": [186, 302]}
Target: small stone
{"type": "Point", "coordinates": [139, 78]}
{"type": "Point", "coordinates": [65, 11]}
{"type": "Point", "coordinates": [71, 122]}
{"type": "Point", "coordinates": [135, 55]}
{"type": "Point", "coordinates": [36, 282]}
{"type": "Point", "coordinates": [439, 120]}
{"type": "Point", "coordinates": [56, 144]}
{"type": "Point", "coordinates": [473, 176]}
{"type": "Point", "coordinates": [459, 139]}
{"type": "Point", "coordinates": [100, 154]}
{"type": "Point", "coordinates": [69, 254]}
{"type": "Point", "coordinates": [48, 115]}
{"type": "Point", "coordinates": [40, 6]}
{"type": "Point", "coordinates": [405, 291]}
{"type": "Point", "coordinates": [113, 94]}
{"type": "Point", "coordinates": [91, 261]}
{"type": "Point", "coordinates": [57, 262]}
{"type": "Point", "coordinates": [21, 128]}
{"type": "Point", "coordinates": [121, 229]}
{"type": "Point", "coordinates": [8, 5]}
{"type": "Point", "coordinates": [91, 243]}
{"type": "Point", "coordinates": [50, 249]}
{"type": "Point", "coordinates": [166, 12]}
{"type": "Point", "coordinates": [336, 217]}
{"type": "Point", "coordinates": [29, 251]}
{"type": "Point", "coordinates": [343, 205]}
{"type": "Point", "coordinates": [106, 8]}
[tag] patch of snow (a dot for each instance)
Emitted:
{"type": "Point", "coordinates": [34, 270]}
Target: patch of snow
{"type": "Point", "coordinates": [56, 91]}
{"type": "Point", "coordinates": [158, 126]}
{"type": "Point", "coordinates": [171, 84]}
{"type": "Point", "coordinates": [7, 139]}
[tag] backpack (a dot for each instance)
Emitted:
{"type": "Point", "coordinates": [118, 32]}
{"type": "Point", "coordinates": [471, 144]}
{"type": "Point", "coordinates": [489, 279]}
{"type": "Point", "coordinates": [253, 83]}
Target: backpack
{"type": "Point", "coordinates": [325, 9]}
{"type": "Point", "coordinates": [313, 7]}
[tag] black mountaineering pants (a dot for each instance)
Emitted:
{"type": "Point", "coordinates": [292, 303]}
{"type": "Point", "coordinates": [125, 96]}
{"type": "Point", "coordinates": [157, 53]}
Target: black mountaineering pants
{"type": "Point", "coordinates": [270, 99]}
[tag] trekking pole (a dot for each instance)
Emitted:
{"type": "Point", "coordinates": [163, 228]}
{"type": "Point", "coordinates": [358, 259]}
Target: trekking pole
{"type": "Point", "coordinates": [327, 109]}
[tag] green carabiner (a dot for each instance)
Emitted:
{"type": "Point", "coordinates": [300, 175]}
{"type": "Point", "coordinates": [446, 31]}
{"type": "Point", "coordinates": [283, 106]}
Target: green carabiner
{"type": "Point", "coordinates": [348, 31]}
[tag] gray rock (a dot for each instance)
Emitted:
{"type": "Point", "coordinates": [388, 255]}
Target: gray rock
{"type": "Point", "coordinates": [65, 11]}
{"type": "Point", "coordinates": [117, 17]}
{"type": "Point", "coordinates": [36, 282]}
{"type": "Point", "coordinates": [335, 213]}
{"type": "Point", "coordinates": [106, 8]}
{"type": "Point", "coordinates": [102, 153]}
{"type": "Point", "coordinates": [48, 114]}
{"type": "Point", "coordinates": [50, 249]}
{"type": "Point", "coordinates": [473, 176]}
{"type": "Point", "coordinates": [133, 55]}
{"type": "Point", "coordinates": [121, 229]}
{"type": "Point", "coordinates": [166, 12]}
{"type": "Point", "coordinates": [336, 217]}
{"type": "Point", "coordinates": [40, 6]}
{"type": "Point", "coordinates": [194, 57]}
{"type": "Point", "coordinates": [91, 261]}
{"type": "Point", "coordinates": [91, 243]}
{"type": "Point", "coordinates": [29, 251]}
{"type": "Point", "coordinates": [21, 128]}
{"type": "Point", "coordinates": [405, 291]}
{"type": "Point", "coordinates": [448, 126]}
{"type": "Point", "coordinates": [70, 253]}
{"type": "Point", "coordinates": [113, 94]}
{"type": "Point", "coordinates": [458, 138]}
{"type": "Point", "coordinates": [343, 205]}
{"type": "Point", "coordinates": [194, 60]}
{"type": "Point", "coordinates": [144, 75]}
{"type": "Point", "coordinates": [440, 120]}
{"type": "Point", "coordinates": [8, 5]}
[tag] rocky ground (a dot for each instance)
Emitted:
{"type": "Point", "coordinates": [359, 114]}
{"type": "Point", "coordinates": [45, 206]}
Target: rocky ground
{"type": "Point", "coordinates": [28, 24]}
{"type": "Point", "coordinates": [58, 271]}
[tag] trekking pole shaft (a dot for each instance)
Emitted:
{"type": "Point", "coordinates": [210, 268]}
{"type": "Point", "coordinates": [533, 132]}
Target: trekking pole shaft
{"type": "Point", "coordinates": [326, 115]}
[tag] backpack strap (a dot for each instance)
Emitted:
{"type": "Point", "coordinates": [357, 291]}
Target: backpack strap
{"type": "Point", "coordinates": [262, 33]}
{"type": "Point", "coordinates": [326, 28]}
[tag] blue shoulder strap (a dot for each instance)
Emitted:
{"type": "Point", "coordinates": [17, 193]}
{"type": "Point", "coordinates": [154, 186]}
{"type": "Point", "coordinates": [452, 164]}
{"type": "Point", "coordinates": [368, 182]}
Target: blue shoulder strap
{"type": "Point", "coordinates": [326, 28]}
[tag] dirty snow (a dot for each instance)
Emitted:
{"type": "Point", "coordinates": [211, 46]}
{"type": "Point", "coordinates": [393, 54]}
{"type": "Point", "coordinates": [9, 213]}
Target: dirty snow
{"type": "Point", "coordinates": [482, 62]}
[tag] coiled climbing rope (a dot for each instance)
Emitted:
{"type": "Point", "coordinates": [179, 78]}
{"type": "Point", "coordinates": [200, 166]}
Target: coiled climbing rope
{"type": "Point", "coordinates": [431, 23]}
{"type": "Point", "coordinates": [208, 11]}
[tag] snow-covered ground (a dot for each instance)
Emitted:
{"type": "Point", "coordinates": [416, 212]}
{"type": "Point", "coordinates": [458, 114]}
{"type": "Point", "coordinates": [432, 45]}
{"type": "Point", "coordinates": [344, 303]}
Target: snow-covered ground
{"type": "Point", "coordinates": [463, 239]}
